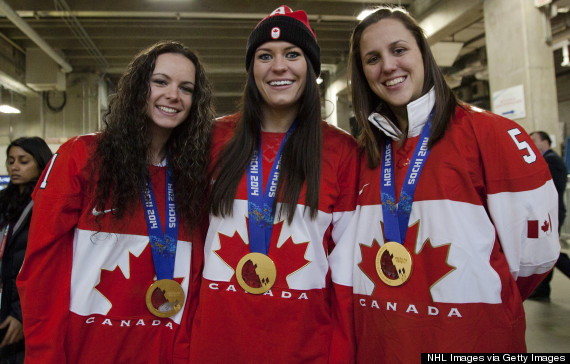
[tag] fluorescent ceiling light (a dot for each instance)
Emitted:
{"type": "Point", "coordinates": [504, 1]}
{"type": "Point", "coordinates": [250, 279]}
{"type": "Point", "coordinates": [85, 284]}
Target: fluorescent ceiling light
{"type": "Point", "coordinates": [8, 82]}
{"type": "Point", "coordinates": [7, 109]}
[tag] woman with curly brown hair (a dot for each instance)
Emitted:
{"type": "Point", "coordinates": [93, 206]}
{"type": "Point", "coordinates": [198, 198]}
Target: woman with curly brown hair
{"type": "Point", "coordinates": [93, 287]}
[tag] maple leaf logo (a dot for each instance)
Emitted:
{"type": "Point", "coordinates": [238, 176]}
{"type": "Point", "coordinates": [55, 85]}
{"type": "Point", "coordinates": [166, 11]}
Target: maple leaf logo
{"type": "Point", "coordinates": [368, 263]}
{"type": "Point", "coordinates": [429, 267]}
{"type": "Point", "coordinates": [545, 227]}
{"type": "Point", "coordinates": [251, 277]}
{"type": "Point", "coordinates": [288, 259]}
{"type": "Point", "coordinates": [127, 295]}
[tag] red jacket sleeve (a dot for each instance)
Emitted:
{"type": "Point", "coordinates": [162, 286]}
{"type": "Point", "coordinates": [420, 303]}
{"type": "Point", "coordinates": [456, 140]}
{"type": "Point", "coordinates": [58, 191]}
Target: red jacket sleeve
{"type": "Point", "coordinates": [522, 199]}
{"type": "Point", "coordinates": [182, 341]}
{"type": "Point", "coordinates": [44, 281]}
{"type": "Point", "coordinates": [342, 349]}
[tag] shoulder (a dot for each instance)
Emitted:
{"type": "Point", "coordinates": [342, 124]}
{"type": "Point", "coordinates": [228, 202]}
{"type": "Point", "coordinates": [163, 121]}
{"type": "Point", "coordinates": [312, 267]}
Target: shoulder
{"type": "Point", "coordinates": [497, 146]}
{"type": "Point", "coordinates": [227, 122]}
{"type": "Point", "coordinates": [82, 142]}
{"type": "Point", "coordinates": [77, 152]}
{"type": "Point", "coordinates": [551, 154]}
{"type": "Point", "coordinates": [486, 126]}
{"type": "Point", "coordinates": [480, 117]}
{"type": "Point", "coordinates": [224, 128]}
{"type": "Point", "coordinates": [333, 135]}
{"type": "Point", "coordinates": [552, 158]}
{"type": "Point", "coordinates": [339, 150]}
{"type": "Point", "coordinates": [70, 169]}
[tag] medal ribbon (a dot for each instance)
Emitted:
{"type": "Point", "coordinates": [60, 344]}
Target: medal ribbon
{"type": "Point", "coordinates": [163, 245]}
{"type": "Point", "coordinates": [259, 203]}
{"type": "Point", "coordinates": [397, 215]}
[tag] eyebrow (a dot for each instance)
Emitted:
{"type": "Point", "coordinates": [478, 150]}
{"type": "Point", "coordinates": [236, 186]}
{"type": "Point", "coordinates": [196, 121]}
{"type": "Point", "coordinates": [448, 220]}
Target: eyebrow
{"type": "Point", "coordinates": [271, 50]}
{"type": "Point", "coordinates": [394, 43]}
{"type": "Point", "coordinates": [167, 76]}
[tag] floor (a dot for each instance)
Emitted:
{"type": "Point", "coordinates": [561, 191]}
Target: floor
{"type": "Point", "coordinates": [548, 323]}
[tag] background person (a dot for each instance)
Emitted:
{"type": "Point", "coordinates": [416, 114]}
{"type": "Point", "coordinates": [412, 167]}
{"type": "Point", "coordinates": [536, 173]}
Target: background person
{"type": "Point", "coordinates": [456, 222]}
{"type": "Point", "coordinates": [93, 287]}
{"type": "Point", "coordinates": [26, 159]}
{"type": "Point", "coordinates": [276, 285]}
{"type": "Point", "coordinates": [559, 174]}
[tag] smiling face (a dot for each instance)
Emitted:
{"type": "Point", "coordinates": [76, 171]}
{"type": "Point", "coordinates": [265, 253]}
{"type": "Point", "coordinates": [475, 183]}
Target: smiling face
{"type": "Point", "coordinates": [280, 72]}
{"type": "Point", "coordinates": [21, 166]}
{"type": "Point", "coordinates": [171, 87]}
{"type": "Point", "coordinates": [392, 63]}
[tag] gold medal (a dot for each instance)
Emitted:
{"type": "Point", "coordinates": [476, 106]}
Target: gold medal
{"type": "Point", "coordinates": [256, 273]}
{"type": "Point", "coordinates": [164, 298]}
{"type": "Point", "coordinates": [394, 264]}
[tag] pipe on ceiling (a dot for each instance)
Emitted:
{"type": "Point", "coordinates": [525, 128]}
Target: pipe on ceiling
{"type": "Point", "coordinates": [28, 31]}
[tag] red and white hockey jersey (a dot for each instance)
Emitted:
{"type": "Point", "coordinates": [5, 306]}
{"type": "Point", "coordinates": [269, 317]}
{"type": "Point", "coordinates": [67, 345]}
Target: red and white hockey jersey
{"type": "Point", "coordinates": [83, 282]}
{"type": "Point", "coordinates": [307, 314]}
{"type": "Point", "coordinates": [482, 233]}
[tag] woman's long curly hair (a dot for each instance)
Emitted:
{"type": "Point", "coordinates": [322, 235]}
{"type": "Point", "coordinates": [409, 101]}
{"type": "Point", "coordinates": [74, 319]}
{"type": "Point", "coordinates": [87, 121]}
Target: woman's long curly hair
{"type": "Point", "coordinates": [12, 202]}
{"type": "Point", "coordinates": [122, 156]}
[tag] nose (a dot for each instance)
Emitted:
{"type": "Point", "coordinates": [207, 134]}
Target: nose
{"type": "Point", "coordinates": [279, 64]}
{"type": "Point", "coordinates": [389, 64]}
{"type": "Point", "coordinates": [172, 92]}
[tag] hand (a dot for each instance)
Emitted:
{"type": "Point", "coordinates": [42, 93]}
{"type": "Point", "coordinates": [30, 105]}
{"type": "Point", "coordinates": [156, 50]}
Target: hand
{"type": "Point", "coordinates": [15, 331]}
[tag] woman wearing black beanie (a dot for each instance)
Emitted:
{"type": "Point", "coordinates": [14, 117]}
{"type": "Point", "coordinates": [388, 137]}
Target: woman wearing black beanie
{"type": "Point", "coordinates": [276, 285]}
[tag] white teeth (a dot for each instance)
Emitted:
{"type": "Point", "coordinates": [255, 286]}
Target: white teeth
{"type": "Point", "coordinates": [395, 81]}
{"type": "Point", "coordinates": [280, 83]}
{"type": "Point", "coordinates": [167, 109]}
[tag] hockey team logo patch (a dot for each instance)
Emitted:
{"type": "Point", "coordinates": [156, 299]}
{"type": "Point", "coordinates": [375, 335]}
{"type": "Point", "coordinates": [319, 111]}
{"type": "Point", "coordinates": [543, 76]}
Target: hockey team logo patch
{"type": "Point", "coordinates": [275, 33]}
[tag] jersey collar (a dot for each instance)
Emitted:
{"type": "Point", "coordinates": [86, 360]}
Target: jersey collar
{"type": "Point", "coordinates": [418, 112]}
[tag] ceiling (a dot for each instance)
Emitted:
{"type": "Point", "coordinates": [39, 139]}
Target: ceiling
{"type": "Point", "coordinates": [102, 36]}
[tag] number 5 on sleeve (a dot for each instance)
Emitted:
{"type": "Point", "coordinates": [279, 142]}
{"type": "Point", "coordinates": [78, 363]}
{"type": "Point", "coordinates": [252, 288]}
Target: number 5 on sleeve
{"type": "Point", "coordinates": [530, 157]}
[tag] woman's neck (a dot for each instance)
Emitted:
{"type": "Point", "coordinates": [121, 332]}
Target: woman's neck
{"type": "Point", "coordinates": [277, 120]}
{"type": "Point", "coordinates": [401, 114]}
{"type": "Point", "coordinates": [158, 148]}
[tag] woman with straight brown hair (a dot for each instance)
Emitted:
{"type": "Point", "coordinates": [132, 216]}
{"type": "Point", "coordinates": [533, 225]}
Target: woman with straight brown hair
{"type": "Point", "coordinates": [456, 216]}
{"type": "Point", "coordinates": [276, 285]}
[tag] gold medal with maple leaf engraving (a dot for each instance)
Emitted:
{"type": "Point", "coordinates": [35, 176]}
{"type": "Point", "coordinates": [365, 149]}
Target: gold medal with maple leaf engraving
{"type": "Point", "coordinates": [256, 273]}
{"type": "Point", "coordinates": [164, 298]}
{"type": "Point", "coordinates": [393, 264]}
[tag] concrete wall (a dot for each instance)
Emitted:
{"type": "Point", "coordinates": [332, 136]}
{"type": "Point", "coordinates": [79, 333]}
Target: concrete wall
{"type": "Point", "coordinates": [563, 91]}
{"type": "Point", "coordinates": [518, 54]}
{"type": "Point", "coordinates": [337, 105]}
{"type": "Point", "coordinates": [40, 115]}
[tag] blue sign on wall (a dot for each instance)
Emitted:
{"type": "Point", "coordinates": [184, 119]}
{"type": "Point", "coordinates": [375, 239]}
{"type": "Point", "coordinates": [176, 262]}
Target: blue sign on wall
{"type": "Point", "coordinates": [4, 180]}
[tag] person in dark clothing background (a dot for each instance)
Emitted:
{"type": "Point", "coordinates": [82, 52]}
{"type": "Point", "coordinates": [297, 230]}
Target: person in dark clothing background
{"type": "Point", "coordinates": [26, 159]}
{"type": "Point", "coordinates": [559, 176]}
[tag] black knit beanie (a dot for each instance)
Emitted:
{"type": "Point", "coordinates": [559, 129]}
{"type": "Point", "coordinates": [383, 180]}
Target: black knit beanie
{"type": "Point", "coordinates": [286, 25]}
